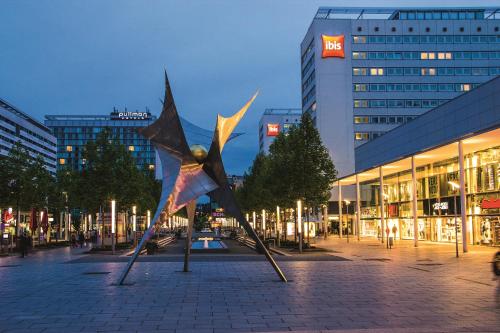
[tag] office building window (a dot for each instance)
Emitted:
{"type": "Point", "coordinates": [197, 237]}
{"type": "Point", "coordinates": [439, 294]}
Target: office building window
{"type": "Point", "coordinates": [360, 87]}
{"type": "Point", "coordinates": [428, 71]}
{"type": "Point", "coordinates": [427, 55]}
{"type": "Point", "coordinates": [361, 120]}
{"type": "Point", "coordinates": [69, 149]}
{"type": "Point", "coordinates": [359, 39]}
{"type": "Point", "coordinates": [131, 148]}
{"type": "Point", "coordinates": [359, 136]}
{"type": "Point", "coordinates": [378, 103]}
{"type": "Point", "coordinates": [359, 71]}
{"type": "Point", "coordinates": [360, 103]}
{"type": "Point", "coordinates": [376, 71]}
{"type": "Point", "coordinates": [62, 161]}
{"type": "Point", "coordinates": [359, 55]}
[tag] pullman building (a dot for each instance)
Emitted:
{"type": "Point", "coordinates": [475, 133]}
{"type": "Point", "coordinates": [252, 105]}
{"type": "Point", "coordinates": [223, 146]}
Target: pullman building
{"type": "Point", "coordinates": [74, 131]}
{"type": "Point", "coordinates": [368, 71]}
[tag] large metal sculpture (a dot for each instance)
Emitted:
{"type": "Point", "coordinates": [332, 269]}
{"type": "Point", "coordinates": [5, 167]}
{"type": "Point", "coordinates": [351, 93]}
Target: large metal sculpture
{"type": "Point", "coordinates": [192, 171]}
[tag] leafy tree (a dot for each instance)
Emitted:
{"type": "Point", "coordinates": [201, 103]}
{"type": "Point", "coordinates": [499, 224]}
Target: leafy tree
{"type": "Point", "coordinates": [256, 192]}
{"type": "Point", "coordinates": [24, 181]}
{"type": "Point", "coordinates": [298, 167]}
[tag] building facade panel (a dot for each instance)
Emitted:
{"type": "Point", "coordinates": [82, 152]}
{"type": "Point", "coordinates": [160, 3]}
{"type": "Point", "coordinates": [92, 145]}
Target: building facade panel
{"type": "Point", "coordinates": [17, 126]}
{"type": "Point", "coordinates": [273, 122]}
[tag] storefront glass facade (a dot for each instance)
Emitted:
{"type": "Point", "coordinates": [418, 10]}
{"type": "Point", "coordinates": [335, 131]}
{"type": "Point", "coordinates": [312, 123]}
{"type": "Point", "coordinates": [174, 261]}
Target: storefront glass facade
{"type": "Point", "coordinates": [438, 203]}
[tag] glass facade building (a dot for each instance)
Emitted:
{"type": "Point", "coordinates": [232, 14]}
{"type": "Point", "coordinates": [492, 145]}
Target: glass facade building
{"type": "Point", "coordinates": [418, 180]}
{"type": "Point", "coordinates": [74, 131]}
{"type": "Point", "coordinates": [395, 65]}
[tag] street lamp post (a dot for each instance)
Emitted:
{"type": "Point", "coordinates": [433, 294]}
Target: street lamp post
{"type": "Point", "coordinates": [134, 223]}
{"type": "Point", "coordinates": [263, 226]}
{"type": "Point", "coordinates": [455, 187]}
{"type": "Point", "coordinates": [347, 202]}
{"type": "Point", "coordinates": [278, 227]}
{"type": "Point", "coordinates": [113, 224]}
{"type": "Point", "coordinates": [299, 223]}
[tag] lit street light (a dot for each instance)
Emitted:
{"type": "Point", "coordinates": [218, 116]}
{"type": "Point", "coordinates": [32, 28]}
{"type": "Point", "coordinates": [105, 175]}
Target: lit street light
{"type": "Point", "coordinates": [299, 223]}
{"type": "Point", "coordinates": [113, 224]}
{"type": "Point", "coordinates": [278, 227]}
{"type": "Point", "coordinates": [253, 220]}
{"type": "Point", "coordinates": [455, 187]}
{"type": "Point", "coordinates": [264, 223]}
{"type": "Point", "coordinates": [347, 202]}
{"type": "Point", "coordinates": [134, 222]}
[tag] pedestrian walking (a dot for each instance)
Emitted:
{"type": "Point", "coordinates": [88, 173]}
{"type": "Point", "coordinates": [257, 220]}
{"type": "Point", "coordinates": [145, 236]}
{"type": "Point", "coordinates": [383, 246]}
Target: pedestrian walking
{"type": "Point", "coordinates": [73, 240]}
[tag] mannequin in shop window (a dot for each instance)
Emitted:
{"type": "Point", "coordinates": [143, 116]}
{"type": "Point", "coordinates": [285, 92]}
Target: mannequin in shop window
{"type": "Point", "coordinates": [486, 231]}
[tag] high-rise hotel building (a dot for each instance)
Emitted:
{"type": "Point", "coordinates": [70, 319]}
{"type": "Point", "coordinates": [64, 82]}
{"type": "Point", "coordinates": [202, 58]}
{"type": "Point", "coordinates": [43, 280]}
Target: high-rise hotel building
{"type": "Point", "coordinates": [74, 131]}
{"type": "Point", "coordinates": [367, 71]}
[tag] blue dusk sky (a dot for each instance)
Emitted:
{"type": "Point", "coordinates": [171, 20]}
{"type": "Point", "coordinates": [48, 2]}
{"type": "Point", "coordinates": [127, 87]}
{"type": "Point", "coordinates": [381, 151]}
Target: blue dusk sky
{"type": "Point", "coordinates": [86, 57]}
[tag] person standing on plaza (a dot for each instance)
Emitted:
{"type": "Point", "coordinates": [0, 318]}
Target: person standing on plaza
{"type": "Point", "coordinates": [23, 244]}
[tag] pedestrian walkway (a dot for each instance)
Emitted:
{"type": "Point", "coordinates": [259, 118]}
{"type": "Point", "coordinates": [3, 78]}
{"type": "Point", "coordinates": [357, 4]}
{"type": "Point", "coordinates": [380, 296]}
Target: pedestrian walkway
{"type": "Point", "coordinates": [377, 290]}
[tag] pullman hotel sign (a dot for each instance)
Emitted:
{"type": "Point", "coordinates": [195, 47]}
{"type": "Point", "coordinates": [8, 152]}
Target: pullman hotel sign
{"type": "Point", "coordinates": [130, 115]}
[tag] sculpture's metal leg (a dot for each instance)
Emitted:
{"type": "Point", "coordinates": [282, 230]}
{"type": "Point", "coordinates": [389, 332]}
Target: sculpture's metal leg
{"type": "Point", "coordinates": [191, 208]}
{"type": "Point", "coordinates": [147, 236]}
{"type": "Point", "coordinates": [260, 247]}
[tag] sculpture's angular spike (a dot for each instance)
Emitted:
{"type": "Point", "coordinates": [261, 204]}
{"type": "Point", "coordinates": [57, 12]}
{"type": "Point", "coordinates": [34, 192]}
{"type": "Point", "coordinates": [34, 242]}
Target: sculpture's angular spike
{"type": "Point", "coordinates": [167, 131]}
{"type": "Point", "coordinates": [226, 126]}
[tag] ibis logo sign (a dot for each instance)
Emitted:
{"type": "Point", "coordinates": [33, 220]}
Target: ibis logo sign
{"type": "Point", "coordinates": [333, 46]}
{"type": "Point", "coordinates": [273, 129]}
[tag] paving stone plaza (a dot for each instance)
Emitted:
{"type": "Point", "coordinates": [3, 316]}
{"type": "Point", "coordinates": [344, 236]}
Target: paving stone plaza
{"type": "Point", "coordinates": [356, 287]}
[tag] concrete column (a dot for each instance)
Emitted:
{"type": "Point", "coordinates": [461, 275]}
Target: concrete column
{"type": "Point", "coordinates": [358, 208]}
{"type": "Point", "coordinates": [382, 215]}
{"type": "Point", "coordinates": [463, 211]}
{"type": "Point", "coordinates": [414, 200]}
{"type": "Point", "coordinates": [340, 210]}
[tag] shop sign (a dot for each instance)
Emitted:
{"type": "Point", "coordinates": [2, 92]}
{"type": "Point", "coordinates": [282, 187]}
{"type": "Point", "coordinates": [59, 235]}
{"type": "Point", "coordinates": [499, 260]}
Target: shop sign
{"type": "Point", "coordinates": [273, 129]}
{"type": "Point", "coordinates": [219, 212]}
{"type": "Point", "coordinates": [333, 46]}
{"type": "Point", "coordinates": [492, 203]}
{"type": "Point", "coordinates": [129, 115]}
